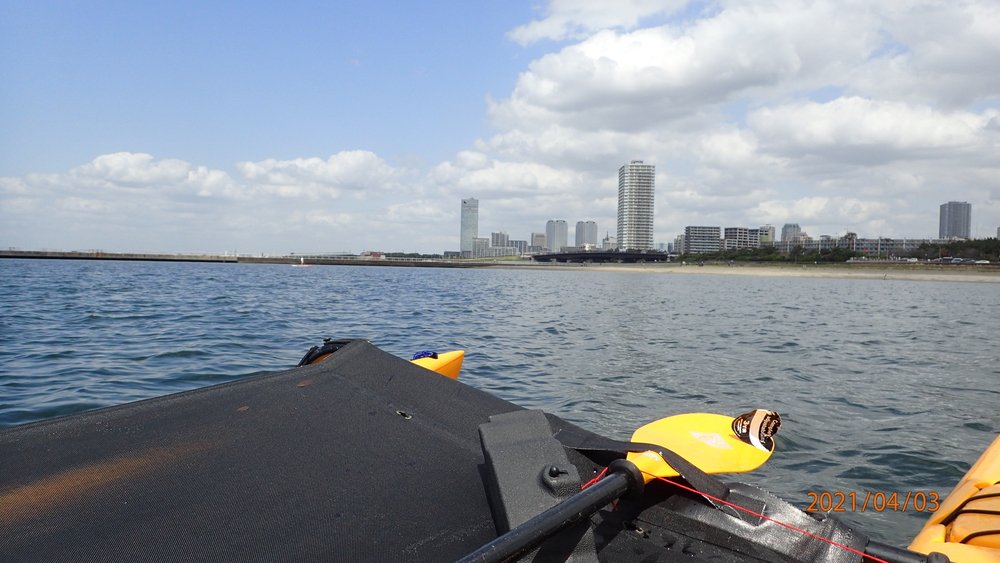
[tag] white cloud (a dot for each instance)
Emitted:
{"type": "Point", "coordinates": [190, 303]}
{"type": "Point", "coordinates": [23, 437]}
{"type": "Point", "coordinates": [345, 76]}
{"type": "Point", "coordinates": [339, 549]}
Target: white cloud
{"type": "Point", "coordinates": [358, 172]}
{"type": "Point", "coordinates": [866, 131]}
{"type": "Point", "coordinates": [148, 201]}
{"type": "Point", "coordinates": [820, 210]}
{"type": "Point", "coordinates": [472, 172]}
{"type": "Point", "coordinates": [125, 168]}
{"type": "Point", "coordinates": [575, 19]}
{"type": "Point", "coordinates": [938, 52]}
{"type": "Point", "coordinates": [642, 79]}
{"type": "Point", "coordinates": [122, 180]}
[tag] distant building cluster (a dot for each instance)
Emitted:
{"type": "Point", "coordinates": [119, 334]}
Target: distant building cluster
{"type": "Point", "coordinates": [636, 187]}
{"type": "Point", "coordinates": [700, 240]}
{"type": "Point", "coordinates": [499, 243]}
{"type": "Point", "coordinates": [634, 232]}
{"type": "Point", "coordinates": [472, 246]}
{"type": "Point", "coordinates": [956, 218]}
{"type": "Point", "coordinates": [554, 239]}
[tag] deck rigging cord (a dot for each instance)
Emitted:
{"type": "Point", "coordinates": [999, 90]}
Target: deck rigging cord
{"type": "Point", "coordinates": [759, 515]}
{"type": "Point", "coordinates": [751, 512]}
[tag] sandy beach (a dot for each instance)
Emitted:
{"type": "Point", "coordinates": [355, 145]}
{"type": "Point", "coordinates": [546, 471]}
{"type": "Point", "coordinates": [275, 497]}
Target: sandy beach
{"type": "Point", "coordinates": [874, 271]}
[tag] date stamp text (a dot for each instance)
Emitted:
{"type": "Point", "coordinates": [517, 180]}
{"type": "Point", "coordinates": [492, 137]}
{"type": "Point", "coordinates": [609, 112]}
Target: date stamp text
{"type": "Point", "coordinates": [873, 500]}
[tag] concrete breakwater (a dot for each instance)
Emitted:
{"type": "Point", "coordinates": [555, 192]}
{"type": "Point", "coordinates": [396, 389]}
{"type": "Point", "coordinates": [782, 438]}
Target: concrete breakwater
{"type": "Point", "coordinates": [234, 259]}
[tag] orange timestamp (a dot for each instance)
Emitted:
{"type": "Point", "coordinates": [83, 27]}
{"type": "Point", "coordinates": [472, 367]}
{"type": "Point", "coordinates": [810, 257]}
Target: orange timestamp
{"type": "Point", "coordinates": [877, 501]}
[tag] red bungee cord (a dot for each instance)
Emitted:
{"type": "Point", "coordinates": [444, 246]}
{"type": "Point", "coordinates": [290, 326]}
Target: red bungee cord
{"type": "Point", "coordinates": [789, 526]}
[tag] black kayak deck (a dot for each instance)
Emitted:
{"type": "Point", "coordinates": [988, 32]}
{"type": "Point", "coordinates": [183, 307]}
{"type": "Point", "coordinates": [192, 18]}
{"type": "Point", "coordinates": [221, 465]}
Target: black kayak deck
{"type": "Point", "coordinates": [362, 457]}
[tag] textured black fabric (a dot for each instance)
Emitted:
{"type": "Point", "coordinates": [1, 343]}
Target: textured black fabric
{"type": "Point", "coordinates": [765, 540]}
{"type": "Point", "coordinates": [311, 464]}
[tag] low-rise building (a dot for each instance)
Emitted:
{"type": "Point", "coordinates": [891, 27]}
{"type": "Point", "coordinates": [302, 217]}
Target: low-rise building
{"type": "Point", "coordinates": [480, 247]}
{"type": "Point", "coordinates": [699, 240]}
{"type": "Point", "coordinates": [880, 246]}
{"type": "Point", "coordinates": [499, 238]}
{"type": "Point", "coordinates": [741, 237]}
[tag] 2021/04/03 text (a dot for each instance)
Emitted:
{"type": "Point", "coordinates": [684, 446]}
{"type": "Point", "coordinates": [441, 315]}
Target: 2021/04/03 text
{"type": "Point", "coordinates": [873, 500]}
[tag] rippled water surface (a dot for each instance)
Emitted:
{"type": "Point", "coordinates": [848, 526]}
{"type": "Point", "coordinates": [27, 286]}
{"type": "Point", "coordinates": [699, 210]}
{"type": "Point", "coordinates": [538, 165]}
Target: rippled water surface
{"type": "Point", "coordinates": [889, 386]}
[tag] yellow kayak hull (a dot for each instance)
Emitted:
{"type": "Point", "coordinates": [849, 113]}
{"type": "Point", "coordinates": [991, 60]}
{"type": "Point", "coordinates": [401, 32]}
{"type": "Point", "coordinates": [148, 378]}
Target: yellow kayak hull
{"type": "Point", "coordinates": [447, 364]}
{"type": "Point", "coordinates": [966, 527]}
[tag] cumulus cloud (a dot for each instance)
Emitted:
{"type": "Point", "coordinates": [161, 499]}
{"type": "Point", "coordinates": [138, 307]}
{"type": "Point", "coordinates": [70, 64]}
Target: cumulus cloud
{"type": "Point", "coordinates": [820, 210]}
{"type": "Point", "coordinates": [123, 179]}
{"type": "Point", "coordinates": [125, 168]}
{"type": "Point", "coordinates": [150, 201]}
{"type": "Point", "coordinates": [861, 130]}
{"type": "Point", "coordinates": [645, 78]}
{"type": "Point", "coordinates": [935, 52]}
{"type": "Point", "coordinates": [357, 172]}
{"type": "Point", "coordinates": [473, 172]}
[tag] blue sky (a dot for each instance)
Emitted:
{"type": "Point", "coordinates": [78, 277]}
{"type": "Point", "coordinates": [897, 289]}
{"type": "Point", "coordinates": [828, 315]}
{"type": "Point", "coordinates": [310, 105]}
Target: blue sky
{"type": "Point", "coordinates": [306, 127]}
{"type": "Point", "coordinates": [220, 82]}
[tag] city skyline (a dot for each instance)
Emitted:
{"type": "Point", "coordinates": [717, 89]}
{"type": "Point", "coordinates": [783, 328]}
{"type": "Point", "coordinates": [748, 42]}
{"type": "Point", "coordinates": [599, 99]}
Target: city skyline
{"type": "Point", "coordinates": [838, 116]}
{"type": "Point", "coordinates": [954, 218]}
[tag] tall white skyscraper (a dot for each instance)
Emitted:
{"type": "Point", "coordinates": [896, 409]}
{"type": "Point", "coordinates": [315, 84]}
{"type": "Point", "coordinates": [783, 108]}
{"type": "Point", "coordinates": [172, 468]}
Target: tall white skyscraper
{"type": "Point", "coordinates": [470, 223]}
{"type": "Point", "coordinates": [556, 234]}
{"type": "Point", "coordinates": [635, 206]}
{"type": "Point", "coordinates": [956, 220]}
{"type": "Point", "coordinates": [586, 233]}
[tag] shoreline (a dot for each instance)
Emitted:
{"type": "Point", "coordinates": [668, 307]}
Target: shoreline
{"type": "Point", "coordinates": [873, 270]}
{"type": "Point", "coordinates": [887, 271]}
{"type": "Point", "coordinates": [234, 259]}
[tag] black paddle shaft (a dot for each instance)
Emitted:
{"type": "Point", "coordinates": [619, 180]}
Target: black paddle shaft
{"type": "Point", "coordinates": [624, 478]}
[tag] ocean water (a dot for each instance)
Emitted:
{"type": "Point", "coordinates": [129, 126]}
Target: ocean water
{"type": "Point", "coordinates": [884, 385]}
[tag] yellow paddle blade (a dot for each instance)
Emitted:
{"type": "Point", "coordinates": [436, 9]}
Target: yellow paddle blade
{"type": "Point", "coordinates": [447, 364]}
{"type": "Point", "coordinates": [706, 440]}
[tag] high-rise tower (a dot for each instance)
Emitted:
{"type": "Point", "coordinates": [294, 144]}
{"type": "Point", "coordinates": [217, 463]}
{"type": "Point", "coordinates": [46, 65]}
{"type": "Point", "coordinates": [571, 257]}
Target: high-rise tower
{"type": "Point", "coordinates": [470, 223]}
{"type": "Point", "coordinates": [956, 220]}
{"type": "Point", "coordinates": [556, 234]}
{"type": "Point", "coordinates": [635, 206]}
{"type": "Point", "coordinates": [586, 233]}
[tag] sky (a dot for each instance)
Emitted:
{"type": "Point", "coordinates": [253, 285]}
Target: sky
{"type": "Point", "coordinates": [306, 127]}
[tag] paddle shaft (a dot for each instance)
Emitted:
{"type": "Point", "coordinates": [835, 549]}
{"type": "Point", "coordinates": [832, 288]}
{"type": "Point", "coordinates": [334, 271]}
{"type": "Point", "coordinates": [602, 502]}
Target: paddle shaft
{"type": "Point", "coordinates": [533, 532]}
